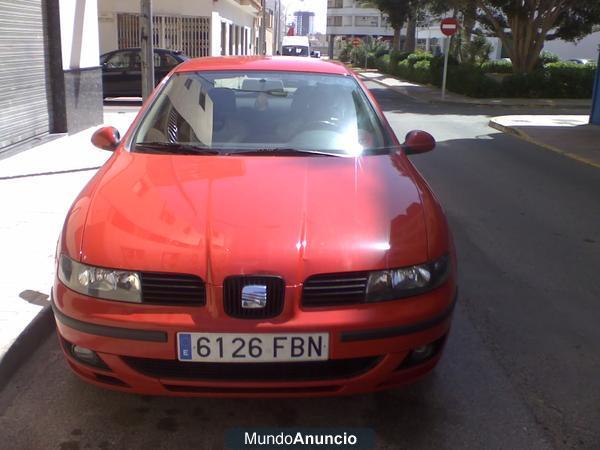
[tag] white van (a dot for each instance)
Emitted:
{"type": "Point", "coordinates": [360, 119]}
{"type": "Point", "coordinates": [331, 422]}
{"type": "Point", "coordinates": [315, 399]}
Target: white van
{"type": "Point", "coordinates": [295, 46]}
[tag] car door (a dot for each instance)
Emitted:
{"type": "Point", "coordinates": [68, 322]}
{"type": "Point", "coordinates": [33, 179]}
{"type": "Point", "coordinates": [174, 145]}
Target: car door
{"type": "Point", "coordinates": [117, 72]}
{"type": "Point", "coordinates": [163, 63]}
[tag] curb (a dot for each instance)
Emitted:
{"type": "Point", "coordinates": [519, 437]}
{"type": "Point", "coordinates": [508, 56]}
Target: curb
{"type": "Point", "coordinates": [30, 338]}
{"type": "Point", "coordinates": [524, 136]}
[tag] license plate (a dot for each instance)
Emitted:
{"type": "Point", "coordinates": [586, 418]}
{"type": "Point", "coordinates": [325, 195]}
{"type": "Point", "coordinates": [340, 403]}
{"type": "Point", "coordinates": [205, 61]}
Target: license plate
{"type": "Point", "coordinates": [244, 348]}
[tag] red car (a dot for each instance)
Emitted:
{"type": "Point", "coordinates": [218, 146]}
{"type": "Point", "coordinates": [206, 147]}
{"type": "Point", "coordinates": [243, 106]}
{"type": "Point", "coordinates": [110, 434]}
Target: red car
{"type": "Point", "coordinates": [259, 231]}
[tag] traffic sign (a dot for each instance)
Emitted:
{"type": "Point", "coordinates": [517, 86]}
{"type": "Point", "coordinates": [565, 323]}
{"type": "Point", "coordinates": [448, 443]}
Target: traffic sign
{"type": "Point", "coordinates": [449, 26]}
{"type": "Point", "coordinates": [356, 42]}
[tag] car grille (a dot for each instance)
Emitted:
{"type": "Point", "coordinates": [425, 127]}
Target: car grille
{"type": "Point", "coordinates": [172, 289]}
{"type": "Point", "coordinates": [232, 296]}
{"type": "Point", "coordinates": [335, 289]}
{"type": "Point", "coordinates": [280, 371]}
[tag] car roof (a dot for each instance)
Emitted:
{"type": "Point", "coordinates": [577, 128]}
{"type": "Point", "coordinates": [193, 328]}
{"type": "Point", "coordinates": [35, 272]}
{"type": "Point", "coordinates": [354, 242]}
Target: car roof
{"type": "Point", "coordinates": [263, 63]}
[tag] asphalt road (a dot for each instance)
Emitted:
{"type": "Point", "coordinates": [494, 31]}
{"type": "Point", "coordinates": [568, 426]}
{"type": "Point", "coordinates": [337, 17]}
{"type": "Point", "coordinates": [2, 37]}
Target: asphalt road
{"type": "Point", "coordinates": [522, 365]}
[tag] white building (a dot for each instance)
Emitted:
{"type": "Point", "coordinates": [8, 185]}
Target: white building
{"type": "Point", "coordinates": [198, 28]}
{"type": "Point", "coordinates": [349, 18]}
{"type": "Point", "coordinates": [587, 48]}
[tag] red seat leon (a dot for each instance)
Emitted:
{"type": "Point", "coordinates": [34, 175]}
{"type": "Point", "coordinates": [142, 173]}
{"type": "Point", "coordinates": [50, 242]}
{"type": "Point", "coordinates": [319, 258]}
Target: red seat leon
{"type": "Point", "coordinates": [259, 231]}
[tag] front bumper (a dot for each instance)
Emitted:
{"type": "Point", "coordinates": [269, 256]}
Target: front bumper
{"type": "Point", "coordinates": [370, 346]}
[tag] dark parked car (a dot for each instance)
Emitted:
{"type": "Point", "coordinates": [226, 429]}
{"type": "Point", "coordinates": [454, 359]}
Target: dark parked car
{"type": "Point", "coordinates": [121, 70]}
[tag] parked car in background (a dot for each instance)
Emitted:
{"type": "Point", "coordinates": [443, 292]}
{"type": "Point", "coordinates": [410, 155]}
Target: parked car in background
{"type": "Point", "coordinates": [580, 61]}
{"type": "Point", "coordinates": [259, 231]}
{"type": "Point", "coordinates": [121, 70]}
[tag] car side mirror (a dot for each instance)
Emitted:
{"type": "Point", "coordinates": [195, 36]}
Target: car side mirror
{"type": "Point", "coordinates": [106, 138]}
{"type": "Point", "coordinates": [418, 141]}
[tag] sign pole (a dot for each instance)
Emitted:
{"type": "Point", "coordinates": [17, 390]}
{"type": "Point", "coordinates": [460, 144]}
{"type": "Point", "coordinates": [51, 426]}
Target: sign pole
{"type": "Point", "coordinates": [446, 51]}
{"type": "Point", "coordinates": [449, 27]}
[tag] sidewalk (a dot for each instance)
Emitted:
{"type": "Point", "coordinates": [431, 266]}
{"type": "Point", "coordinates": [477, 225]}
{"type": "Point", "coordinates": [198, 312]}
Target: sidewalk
{"type": "Point", "coordinates": [431, 94]}
{"type": "Point", "coordinates": [37, 188]}
{"type": "Point", "coordinates": [569, 135]}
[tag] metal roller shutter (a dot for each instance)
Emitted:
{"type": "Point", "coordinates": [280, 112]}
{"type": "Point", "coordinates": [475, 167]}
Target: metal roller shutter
{"type": "Point", "coordinates": [24, 92]}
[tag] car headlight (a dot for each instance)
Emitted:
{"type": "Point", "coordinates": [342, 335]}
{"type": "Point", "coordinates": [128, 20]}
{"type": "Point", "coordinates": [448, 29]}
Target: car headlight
{"type": "Point", "coordinates": [109, 284]}
{"type": "Point", "coordinates": [407, 281]}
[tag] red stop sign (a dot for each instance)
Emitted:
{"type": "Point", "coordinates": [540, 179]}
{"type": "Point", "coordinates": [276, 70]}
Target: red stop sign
{"type": "Point", "coordinates": [449, 26]}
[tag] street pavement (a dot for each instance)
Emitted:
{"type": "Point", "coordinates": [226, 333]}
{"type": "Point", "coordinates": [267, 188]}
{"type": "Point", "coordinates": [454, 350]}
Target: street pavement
{"type": "Point", "coordinates": [570, 135]}
{"type": "Point", "coordinates": [37, 188]}
{"type": "Point", "coordinates": [521, 366]}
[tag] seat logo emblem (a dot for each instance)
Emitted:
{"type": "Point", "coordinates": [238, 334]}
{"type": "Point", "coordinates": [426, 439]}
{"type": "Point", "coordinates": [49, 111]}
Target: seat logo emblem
{"type": "Point", "coordinates": [254, 296]}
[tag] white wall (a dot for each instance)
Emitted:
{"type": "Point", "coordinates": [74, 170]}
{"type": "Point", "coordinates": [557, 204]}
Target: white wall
{"type": "Point", "coordinates": [586, 48]}
{"type": "Point", "coordinates": [79, 33]}
{"type": "Point", "coordinates": [228, 11]}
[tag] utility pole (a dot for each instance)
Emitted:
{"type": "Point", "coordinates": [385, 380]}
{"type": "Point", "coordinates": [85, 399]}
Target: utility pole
{"type": "Point", "coordinates": [276, 26]}
{"type": "Point", "coordinates": [263, 29]}
{"type": "Point", "coordinates": [147, 50]}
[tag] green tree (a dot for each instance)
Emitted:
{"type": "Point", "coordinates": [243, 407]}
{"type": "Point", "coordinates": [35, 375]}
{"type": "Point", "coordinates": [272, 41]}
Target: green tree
{"type": "Point", "coordinates": [524, 25]}
{"type": "Point", "coordinates": [397, 12]}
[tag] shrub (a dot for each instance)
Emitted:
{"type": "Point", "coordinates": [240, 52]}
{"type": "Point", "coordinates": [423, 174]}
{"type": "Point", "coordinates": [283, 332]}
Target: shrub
{"type": "Point", "coordinates": [555, 80]}
{"type": "Point", "coordinates": [477, 50]}
{"type": "Point", "coordinates": [383, 63]}
{"type": "Point", "coordinates": [469, 79]}
{"type": "Point", "coordinates": [357, 55]}
{"type": "Point", "coordinates": [395, 58]}
{"type": "Point", "coordinates": [524, 85]}
{"type": "Point", "coordinates": [344, 55]}
{"type": "Point", "coordinates": [498, 66]}
{"type": "Point", "coordinates": [371, 60]}
{"type": "Point", "coordinates": [403, 69]}
{"type": "Point", "coordinates": [437, 68]}
{"type": "Point", "coordinates": [421, 72]}
{"type": "Point", "coordinates": [419, 56]}
{"type": "Point", "coordinates": [547, 57]}
{"type": "Point", "coordinates": [569, 80]}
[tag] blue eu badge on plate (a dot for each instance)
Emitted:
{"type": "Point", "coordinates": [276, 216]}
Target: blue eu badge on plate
{"type": "Point", "coordinates": [185, 346]}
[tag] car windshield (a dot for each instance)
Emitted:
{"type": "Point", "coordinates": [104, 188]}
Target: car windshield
{"type": "Point", "coordinates": [252, 112]}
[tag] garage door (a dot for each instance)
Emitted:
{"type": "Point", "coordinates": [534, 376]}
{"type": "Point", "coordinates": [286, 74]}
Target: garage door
{"type": "Point", "coordinates": [24, 95]}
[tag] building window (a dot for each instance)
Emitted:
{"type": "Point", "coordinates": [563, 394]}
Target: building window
{"type": "Point", "coordinates": [334, 21]}
{"type": "Point", "coordinates": [335, 3]}
{"type": "Point", "coordinates": [347, 21]}
{"type": "Point", "coordinates": [366, 21]}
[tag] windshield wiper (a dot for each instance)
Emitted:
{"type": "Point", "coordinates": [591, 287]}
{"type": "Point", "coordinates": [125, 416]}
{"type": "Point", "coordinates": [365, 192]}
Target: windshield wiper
{"type": "Point", "coordinates": [281, 151]}
{"type": "Point", "coordinates": [174, 148]}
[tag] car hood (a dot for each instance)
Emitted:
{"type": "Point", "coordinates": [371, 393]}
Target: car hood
{"type": "Point", "coordinates": [216, 216]}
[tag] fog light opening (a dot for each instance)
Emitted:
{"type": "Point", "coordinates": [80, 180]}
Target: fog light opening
{"type": "Point", "coordinates": [86, 356]}
{"type": "Point", "coordinates": [422, 353]}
